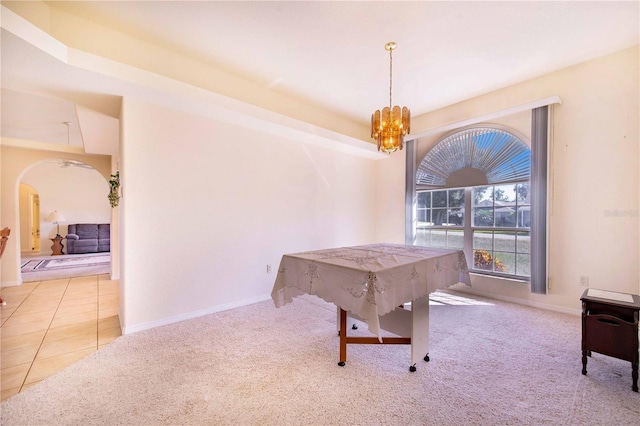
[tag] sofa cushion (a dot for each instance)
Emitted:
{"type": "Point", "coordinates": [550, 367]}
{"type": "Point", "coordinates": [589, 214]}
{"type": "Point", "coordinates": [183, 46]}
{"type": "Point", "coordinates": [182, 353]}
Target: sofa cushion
{"type": "Point", "coordinates": [104, 231]}
{"type": "Point", "coordinates": [87, 231]}
{"type": "Point", "coordinates": [85, 246]}
{"type": "Point", "coordinates": [104, 244]}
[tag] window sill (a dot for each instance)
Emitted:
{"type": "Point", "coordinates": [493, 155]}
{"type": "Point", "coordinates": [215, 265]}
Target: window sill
{"type": "Point", "coordinates": [500, 277]}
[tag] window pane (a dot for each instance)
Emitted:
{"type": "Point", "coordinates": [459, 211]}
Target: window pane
{"type": "Point", "coordinates": [455, 238]}
{"type": "Point", "coordinates": [504, 262]}
{"type": "Point", "coordinates": [523, 264]}
{"type": "Point", "coordinates": [482, 216]}
{"type": "Point", "coordinates": [424, 199]}
{"type": "Point", "coordinates": [483, 240]}
{"type": "Point", "coordinates": [505, 195]}
{"type": "Point", "coordinates": [439, 198]}
{"type": "Point", "coordinates": [438, 238]}
{"type": "Point", "coordinates": [505, 217]}
{"type": "Point", "coordinates": [456, 198]}
{"type": "Point", "coordinates": [422, 216]}
{"type": "Point", "coordinates": [439, 217]}
{"type": "Point", "coordinates": [483, 196]}
{"type": "Point", "coordinates": [523, 193]}
{"type": "Point", "coordinates": [483, 260]}
{"type": "Point", "coordinates": [524, 217]}
{"type": "Point", "coordinates": [455, 217]}
{"type": "Point", "coordinates": [504, 241]}
{"type": "Point", "coordinates": [423, 237]}
{"type": "Point", "coordinates": [523, 242]}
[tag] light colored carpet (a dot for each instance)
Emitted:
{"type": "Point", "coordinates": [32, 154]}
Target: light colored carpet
{"type": "Point", "coordinates": [493, 363]}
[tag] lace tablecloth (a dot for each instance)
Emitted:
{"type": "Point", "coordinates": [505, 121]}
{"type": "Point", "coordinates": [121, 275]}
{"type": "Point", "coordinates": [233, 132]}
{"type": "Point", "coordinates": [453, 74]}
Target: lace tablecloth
{"type": "Point", "coordinates": [370, 280]}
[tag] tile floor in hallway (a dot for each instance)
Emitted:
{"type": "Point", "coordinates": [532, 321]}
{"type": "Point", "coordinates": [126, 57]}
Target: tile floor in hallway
{"type": "Point", "coordinates": [49, 325]}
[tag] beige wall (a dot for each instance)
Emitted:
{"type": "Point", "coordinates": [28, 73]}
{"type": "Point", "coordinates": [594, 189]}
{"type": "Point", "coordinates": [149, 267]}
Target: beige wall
{"type": "Point", "coordinates": [594, 163]}
{"type": "Point", "coordinates": [208, 205]}
{"type": "Point", "coordinates": [18, 163]}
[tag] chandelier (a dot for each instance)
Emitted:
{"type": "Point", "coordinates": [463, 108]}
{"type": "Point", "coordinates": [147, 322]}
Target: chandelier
{"type": "Point", "coordinates": [391, 125]}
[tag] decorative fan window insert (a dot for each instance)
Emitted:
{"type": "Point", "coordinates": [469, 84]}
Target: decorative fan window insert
{"type": "Point", "coordinates": [473, 157]}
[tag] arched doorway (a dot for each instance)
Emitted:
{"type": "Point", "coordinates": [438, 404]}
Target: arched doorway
{"type": "Point", "coordinates": [78, 194]}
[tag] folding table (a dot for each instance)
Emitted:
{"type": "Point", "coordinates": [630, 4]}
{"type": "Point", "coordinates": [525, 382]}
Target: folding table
{"type": "Point", "coordinates": [372, 283]}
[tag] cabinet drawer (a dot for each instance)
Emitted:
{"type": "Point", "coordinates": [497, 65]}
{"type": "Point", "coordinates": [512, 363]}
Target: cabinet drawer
{"type": "Point", "coordinates": [611, 336]}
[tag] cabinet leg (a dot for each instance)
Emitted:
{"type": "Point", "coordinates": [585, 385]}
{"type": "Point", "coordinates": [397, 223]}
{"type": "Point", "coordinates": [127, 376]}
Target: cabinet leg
{"type": "Point", "coordinates": [584, 362]}
{"type": "Point", "coordinates": [634, 376]}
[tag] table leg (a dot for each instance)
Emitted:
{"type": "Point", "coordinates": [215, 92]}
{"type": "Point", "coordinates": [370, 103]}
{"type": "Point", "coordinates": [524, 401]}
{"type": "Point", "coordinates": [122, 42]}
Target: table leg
{"type": "Point", "coordinates": [419, 330]}
{"type": "Point", "coordinates": [343, 337]}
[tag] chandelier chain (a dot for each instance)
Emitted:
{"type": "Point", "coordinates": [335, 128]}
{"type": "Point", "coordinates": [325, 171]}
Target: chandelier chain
{"type": "Point", "coordinates": [390, 75]}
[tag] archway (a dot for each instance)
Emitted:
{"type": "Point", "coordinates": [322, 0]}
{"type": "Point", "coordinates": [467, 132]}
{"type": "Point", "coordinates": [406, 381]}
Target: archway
{"type": "Point", "coordinates": [73, 189]}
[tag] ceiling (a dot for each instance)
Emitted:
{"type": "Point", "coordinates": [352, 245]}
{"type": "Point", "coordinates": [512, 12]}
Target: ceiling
{"type": "Point", "coordinates": [328, 54]}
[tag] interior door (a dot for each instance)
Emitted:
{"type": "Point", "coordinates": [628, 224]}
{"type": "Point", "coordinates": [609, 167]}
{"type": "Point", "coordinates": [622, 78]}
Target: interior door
{"type": "Point", "coordinates": [34, 215]}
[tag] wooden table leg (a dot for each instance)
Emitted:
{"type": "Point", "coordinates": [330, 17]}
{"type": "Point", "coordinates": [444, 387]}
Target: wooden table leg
{"type": "Point", "coordinates": [343, 337]}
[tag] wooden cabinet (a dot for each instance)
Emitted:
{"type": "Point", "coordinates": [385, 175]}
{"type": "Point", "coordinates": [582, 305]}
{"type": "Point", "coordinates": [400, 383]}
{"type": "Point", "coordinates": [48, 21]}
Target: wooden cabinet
{"type": "Point", "coordinates": [610, 327]}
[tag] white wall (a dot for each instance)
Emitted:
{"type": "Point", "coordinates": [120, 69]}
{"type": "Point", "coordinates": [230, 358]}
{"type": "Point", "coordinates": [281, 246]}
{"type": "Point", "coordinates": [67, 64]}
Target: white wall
{"type": "Point", "coordinates": [207, 205]}
{"type": "Point", "coordinates": [594, 166]}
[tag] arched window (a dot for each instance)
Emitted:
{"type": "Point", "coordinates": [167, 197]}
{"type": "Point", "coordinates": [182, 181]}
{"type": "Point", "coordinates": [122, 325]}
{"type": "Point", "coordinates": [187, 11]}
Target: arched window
{"type": "Point", "coordinates": [473, 193]}
{"type": "Point", "coordinates": [475, 156]}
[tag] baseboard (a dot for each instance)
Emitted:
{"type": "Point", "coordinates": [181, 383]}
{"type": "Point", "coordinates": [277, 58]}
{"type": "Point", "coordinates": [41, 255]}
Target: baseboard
{"type": "Point", "coordinates": [195, 314]}
{"type": "Point", "coordinates": [245, 302]}
{"type": "Point", "coordinates": [10, 284]}
{"type": "Point", "coordinates": [516, 300]}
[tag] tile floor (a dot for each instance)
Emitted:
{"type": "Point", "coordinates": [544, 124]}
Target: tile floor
{"type": "Point", "coordinates": [49, 325]}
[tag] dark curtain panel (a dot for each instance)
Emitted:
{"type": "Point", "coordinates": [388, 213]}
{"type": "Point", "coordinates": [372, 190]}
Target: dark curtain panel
{"type": "Point", "coordinates": [539, 143]}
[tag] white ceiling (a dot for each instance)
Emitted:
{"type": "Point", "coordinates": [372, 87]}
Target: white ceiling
{"type": "Point", "coordinates": [331, 54]}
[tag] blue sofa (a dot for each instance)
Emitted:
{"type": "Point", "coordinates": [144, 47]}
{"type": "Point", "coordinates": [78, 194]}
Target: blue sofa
{"type": "Point", "coordinates": [88, 238]}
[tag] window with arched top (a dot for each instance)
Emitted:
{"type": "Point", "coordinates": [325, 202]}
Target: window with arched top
{"type": "Point", "coordinates": [473, 193]}
{"type": "Point", "coordinates": [475, 156]}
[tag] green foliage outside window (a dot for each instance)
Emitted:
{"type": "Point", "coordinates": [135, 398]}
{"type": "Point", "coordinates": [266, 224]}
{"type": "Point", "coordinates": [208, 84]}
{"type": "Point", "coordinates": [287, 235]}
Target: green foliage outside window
{"type": "Point", "coordinates": [482, 259]}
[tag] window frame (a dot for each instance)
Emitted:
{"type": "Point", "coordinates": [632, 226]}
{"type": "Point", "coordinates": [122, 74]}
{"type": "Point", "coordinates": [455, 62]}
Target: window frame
{"type": "Point", "coordinates": [541, 141]}
{"type": "Point", "coordinates": [468, 229]}
{"type": "Point", "coordinates": [538, 272]}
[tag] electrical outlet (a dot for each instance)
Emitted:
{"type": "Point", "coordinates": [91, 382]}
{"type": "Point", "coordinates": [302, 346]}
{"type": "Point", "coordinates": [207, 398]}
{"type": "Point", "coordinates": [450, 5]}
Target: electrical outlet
{"type": "Point", "coordinates": [268, 269]}
{"type": "Point", "coordinates": [584, 281]}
